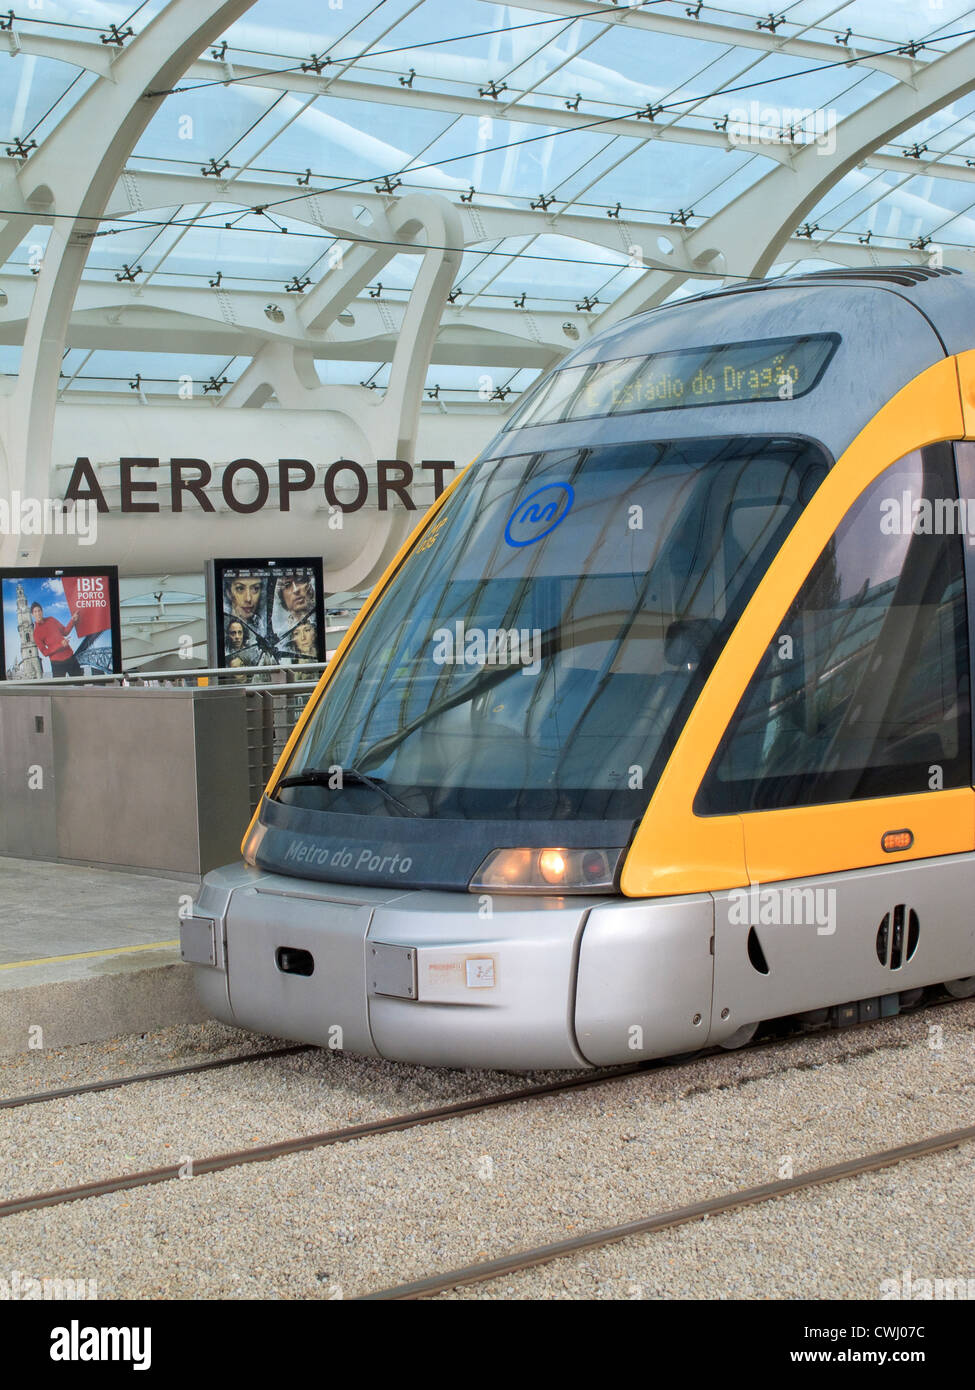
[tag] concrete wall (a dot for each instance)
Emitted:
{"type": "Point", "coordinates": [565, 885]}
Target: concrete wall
{"type": "Point", "coordinates": [132, 778]}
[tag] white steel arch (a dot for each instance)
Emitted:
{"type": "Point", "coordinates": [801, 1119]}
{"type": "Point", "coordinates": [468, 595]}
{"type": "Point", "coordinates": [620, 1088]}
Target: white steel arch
{"type": "Point", "coordinates": [73, 175]}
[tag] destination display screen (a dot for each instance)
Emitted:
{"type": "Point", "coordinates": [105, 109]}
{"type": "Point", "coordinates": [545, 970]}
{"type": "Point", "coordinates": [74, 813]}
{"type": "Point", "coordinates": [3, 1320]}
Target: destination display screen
{"type": "Point", "coordinates": [775, 369]}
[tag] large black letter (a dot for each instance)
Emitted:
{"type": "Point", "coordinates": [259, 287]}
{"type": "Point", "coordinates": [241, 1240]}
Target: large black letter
{"type": "Point", "coordinates": [84, 473]}
{"type": "Point", "coordinates": [129, 487]}
{"type": "Point", "coordinates": [360, 476]}
{"type": "Point", "coordinates": [227, 484]}
{"type": "Point", "coordinates": [285, 485]}
{"type": "Point", "coordinates": [438, 467]}
{"type": "Point", "coordinates": [195, 486]}
{"type": "Point", "coordinates": [397, 485]}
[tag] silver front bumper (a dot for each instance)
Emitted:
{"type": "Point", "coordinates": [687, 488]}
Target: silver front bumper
{"type": "Point", "coordinates": [450, 979]}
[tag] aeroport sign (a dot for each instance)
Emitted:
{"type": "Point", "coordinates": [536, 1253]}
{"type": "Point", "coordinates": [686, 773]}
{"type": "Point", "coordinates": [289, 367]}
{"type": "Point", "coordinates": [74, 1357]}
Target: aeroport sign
{"type": "Point", "coordinates": [188, 478]}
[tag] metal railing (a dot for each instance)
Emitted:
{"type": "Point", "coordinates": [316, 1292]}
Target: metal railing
{"type": "Point", "coordinates": [272, 713]}
{"type": "Point", "coordinates": [275, 697]}
{"type": "Point", "coordinates": [251, 676]}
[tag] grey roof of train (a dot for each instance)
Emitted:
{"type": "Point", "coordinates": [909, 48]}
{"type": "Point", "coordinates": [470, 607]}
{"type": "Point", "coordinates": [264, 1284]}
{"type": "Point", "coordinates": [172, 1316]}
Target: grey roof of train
{"type": "Point", "coordinates": [893, 324]}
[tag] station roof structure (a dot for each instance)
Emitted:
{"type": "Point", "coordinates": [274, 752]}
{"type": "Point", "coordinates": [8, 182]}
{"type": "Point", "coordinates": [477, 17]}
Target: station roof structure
{"type": "Point", "coordinates": [232, 176]}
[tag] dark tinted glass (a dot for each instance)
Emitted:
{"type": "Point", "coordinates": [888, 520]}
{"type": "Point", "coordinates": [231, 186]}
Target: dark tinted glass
{"type": "Point", "coordinates": [864, 690]}
{"type": "Point", "coordinates": [537, 654]}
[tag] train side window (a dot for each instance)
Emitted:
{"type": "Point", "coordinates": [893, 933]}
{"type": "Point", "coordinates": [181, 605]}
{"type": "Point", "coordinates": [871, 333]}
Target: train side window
{"type": "Point", "coordinates": [864, 691]}
{"type": "Point", "coordinates": [965, 464]}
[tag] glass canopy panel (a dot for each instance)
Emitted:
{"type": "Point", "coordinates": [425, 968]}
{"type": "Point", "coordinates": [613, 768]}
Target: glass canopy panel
{"type": "Point", "coordinates": [949, 132]}
{"type": "Point", "coordinates": [894, 22]}
{"type": "Point", "coordinates": [897, 21]}
{"type": "Point", "coordinates": [10, 359]}
{"type": "Point", "coordinates": [397, 275]}
{"type": "Point", "coordinates": [777, 86]}
{"type": "Point", "coordinates": [348, 372]}
{"type": "Point", "coordinates": [161, 372]}
{"type": "Point", "coordinates": [520, 45]}
{"type": "Point", "coordinates": [960, 230]}
{"type": "Point", "coordinates": [303, 27]}
{"type": "Point", "coordinates": [935, 201]}
{"type": "Point", "coordinates": [858, 204]}
{"type": "Point", "coordinates": [511, 158]}
{"type": "Point", "coordinates": [32, 85]}
{"type": "Point", "coordinates": [461, 377]}
{"type": "Point", "coordinates": [239, 253]}
{"type": "Point", "coordinates": [615, 68]}
{"type": "Point", "coordinates": [893, 206]}
{"type": "Point", "coordinates": [84, 18]}
{"type": "Point", "coordinates": [341, 139]}
{"type": "Point", "coordinates": [663, 176]}
{"type": "Point", "coordinates": [197, 126]}
{"type": "Point", "coordinates": [551, 268]}
{"type": "Point", "coordinates": [746, 171]}
{"type": "Point", "coordinates": [479, 265]}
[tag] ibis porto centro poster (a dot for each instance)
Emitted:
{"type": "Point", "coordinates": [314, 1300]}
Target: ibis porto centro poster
{"type": "Point", "coordinates": [59, 623]}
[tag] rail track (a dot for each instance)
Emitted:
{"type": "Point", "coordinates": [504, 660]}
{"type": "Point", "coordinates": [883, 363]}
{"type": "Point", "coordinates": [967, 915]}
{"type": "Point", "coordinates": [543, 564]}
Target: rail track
{"type": "Point", "coordinates": [115, 1083]}
{"type": "Point", "coordinates": [264, 1153]}
{"type": "Point", "coordinates": [666, 1220]}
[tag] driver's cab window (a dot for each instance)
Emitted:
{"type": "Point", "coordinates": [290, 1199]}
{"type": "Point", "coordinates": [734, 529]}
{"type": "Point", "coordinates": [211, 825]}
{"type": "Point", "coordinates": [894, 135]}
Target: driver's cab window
{"type": "Point", "coordinates": [864, 690]}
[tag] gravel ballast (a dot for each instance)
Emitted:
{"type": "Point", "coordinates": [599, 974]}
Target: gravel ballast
{"type": "Point", "coordinates": [380, 1211]}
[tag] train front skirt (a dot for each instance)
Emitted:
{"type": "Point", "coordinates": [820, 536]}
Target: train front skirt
{"type": "Point", "coordinates": [449, 979]}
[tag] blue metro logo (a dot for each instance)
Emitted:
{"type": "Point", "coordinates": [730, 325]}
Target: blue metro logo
{"type": "Point", "coordinates": [539, 514]}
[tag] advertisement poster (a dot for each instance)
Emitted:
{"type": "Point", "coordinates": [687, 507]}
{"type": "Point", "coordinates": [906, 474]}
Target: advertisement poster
{"type": "Point", "coordinates": [266, 613]}
{"type": "Point", "coordinates": [59, 623]}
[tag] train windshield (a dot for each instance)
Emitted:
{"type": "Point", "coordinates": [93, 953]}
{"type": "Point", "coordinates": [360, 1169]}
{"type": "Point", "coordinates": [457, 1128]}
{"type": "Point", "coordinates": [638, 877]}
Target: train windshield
{"type": "Point", "coordinates": [538, 651]}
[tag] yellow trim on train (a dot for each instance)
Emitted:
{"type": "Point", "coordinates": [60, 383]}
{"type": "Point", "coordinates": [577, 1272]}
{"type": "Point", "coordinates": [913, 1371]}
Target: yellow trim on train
{"type": "Point", "coordinates": [966, 387]}
{"type": "Point", "coordinates": [675, 851]}
{"type": "Point", "coordinates": [349, 638]}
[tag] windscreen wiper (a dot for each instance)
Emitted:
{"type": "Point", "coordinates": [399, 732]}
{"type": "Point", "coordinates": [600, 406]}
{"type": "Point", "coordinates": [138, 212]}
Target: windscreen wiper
{"type": "Point", "coordinates": [325, 777]}
{"type": "Point", "coordinates": [486, 679]}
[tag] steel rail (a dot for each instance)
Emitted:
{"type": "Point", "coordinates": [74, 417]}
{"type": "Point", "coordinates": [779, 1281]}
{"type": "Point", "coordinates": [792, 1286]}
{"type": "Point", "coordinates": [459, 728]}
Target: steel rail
{"type": "Point", "coordinates": [263, 1153]}
{"type": "Point", "coordinates": [666, 1220]}
{"type": "Point", "coordinates": [86, 1087]}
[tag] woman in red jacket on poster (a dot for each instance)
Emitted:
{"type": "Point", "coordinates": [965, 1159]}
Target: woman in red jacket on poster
{"type": "Point", "coordinates": [52, 641]}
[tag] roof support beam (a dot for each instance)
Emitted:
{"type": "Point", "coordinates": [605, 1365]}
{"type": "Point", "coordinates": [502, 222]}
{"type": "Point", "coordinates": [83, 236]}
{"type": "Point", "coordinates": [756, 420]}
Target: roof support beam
{"type": "Point", "coordinates": [74, 172]}
{"type": "Point", "coordinates": [168, 318]}
{"type": "Point", "coordinates": [396, 414]}
{"type": "Point", "coordinates": [334, 213]}
{"type": "Point", "coordinates": [748, 235]}
{"type": "Point", "coordinates": [811, 50]}
{"type": "Point", "coordinates": [88, 54]}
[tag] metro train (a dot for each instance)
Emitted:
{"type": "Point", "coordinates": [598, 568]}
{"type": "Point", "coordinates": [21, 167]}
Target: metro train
{"type": "Point", "coordinates": [660, 726]}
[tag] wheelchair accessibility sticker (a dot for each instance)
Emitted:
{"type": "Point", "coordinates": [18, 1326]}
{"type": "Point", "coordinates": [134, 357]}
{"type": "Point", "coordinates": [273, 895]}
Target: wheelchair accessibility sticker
{"type": "Point", "coordinates": [539, 514]}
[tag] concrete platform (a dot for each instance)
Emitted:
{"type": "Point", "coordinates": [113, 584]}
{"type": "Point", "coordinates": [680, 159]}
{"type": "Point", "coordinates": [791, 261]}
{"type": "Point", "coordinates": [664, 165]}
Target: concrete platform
{"type": "Point", "coordinates": [88, 954]}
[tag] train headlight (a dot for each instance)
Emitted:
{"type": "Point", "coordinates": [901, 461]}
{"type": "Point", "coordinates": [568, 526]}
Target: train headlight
{"type": "Point", "coordinates": [552, 865]}
{"type": "Point", "coordinates": [548, 870]}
